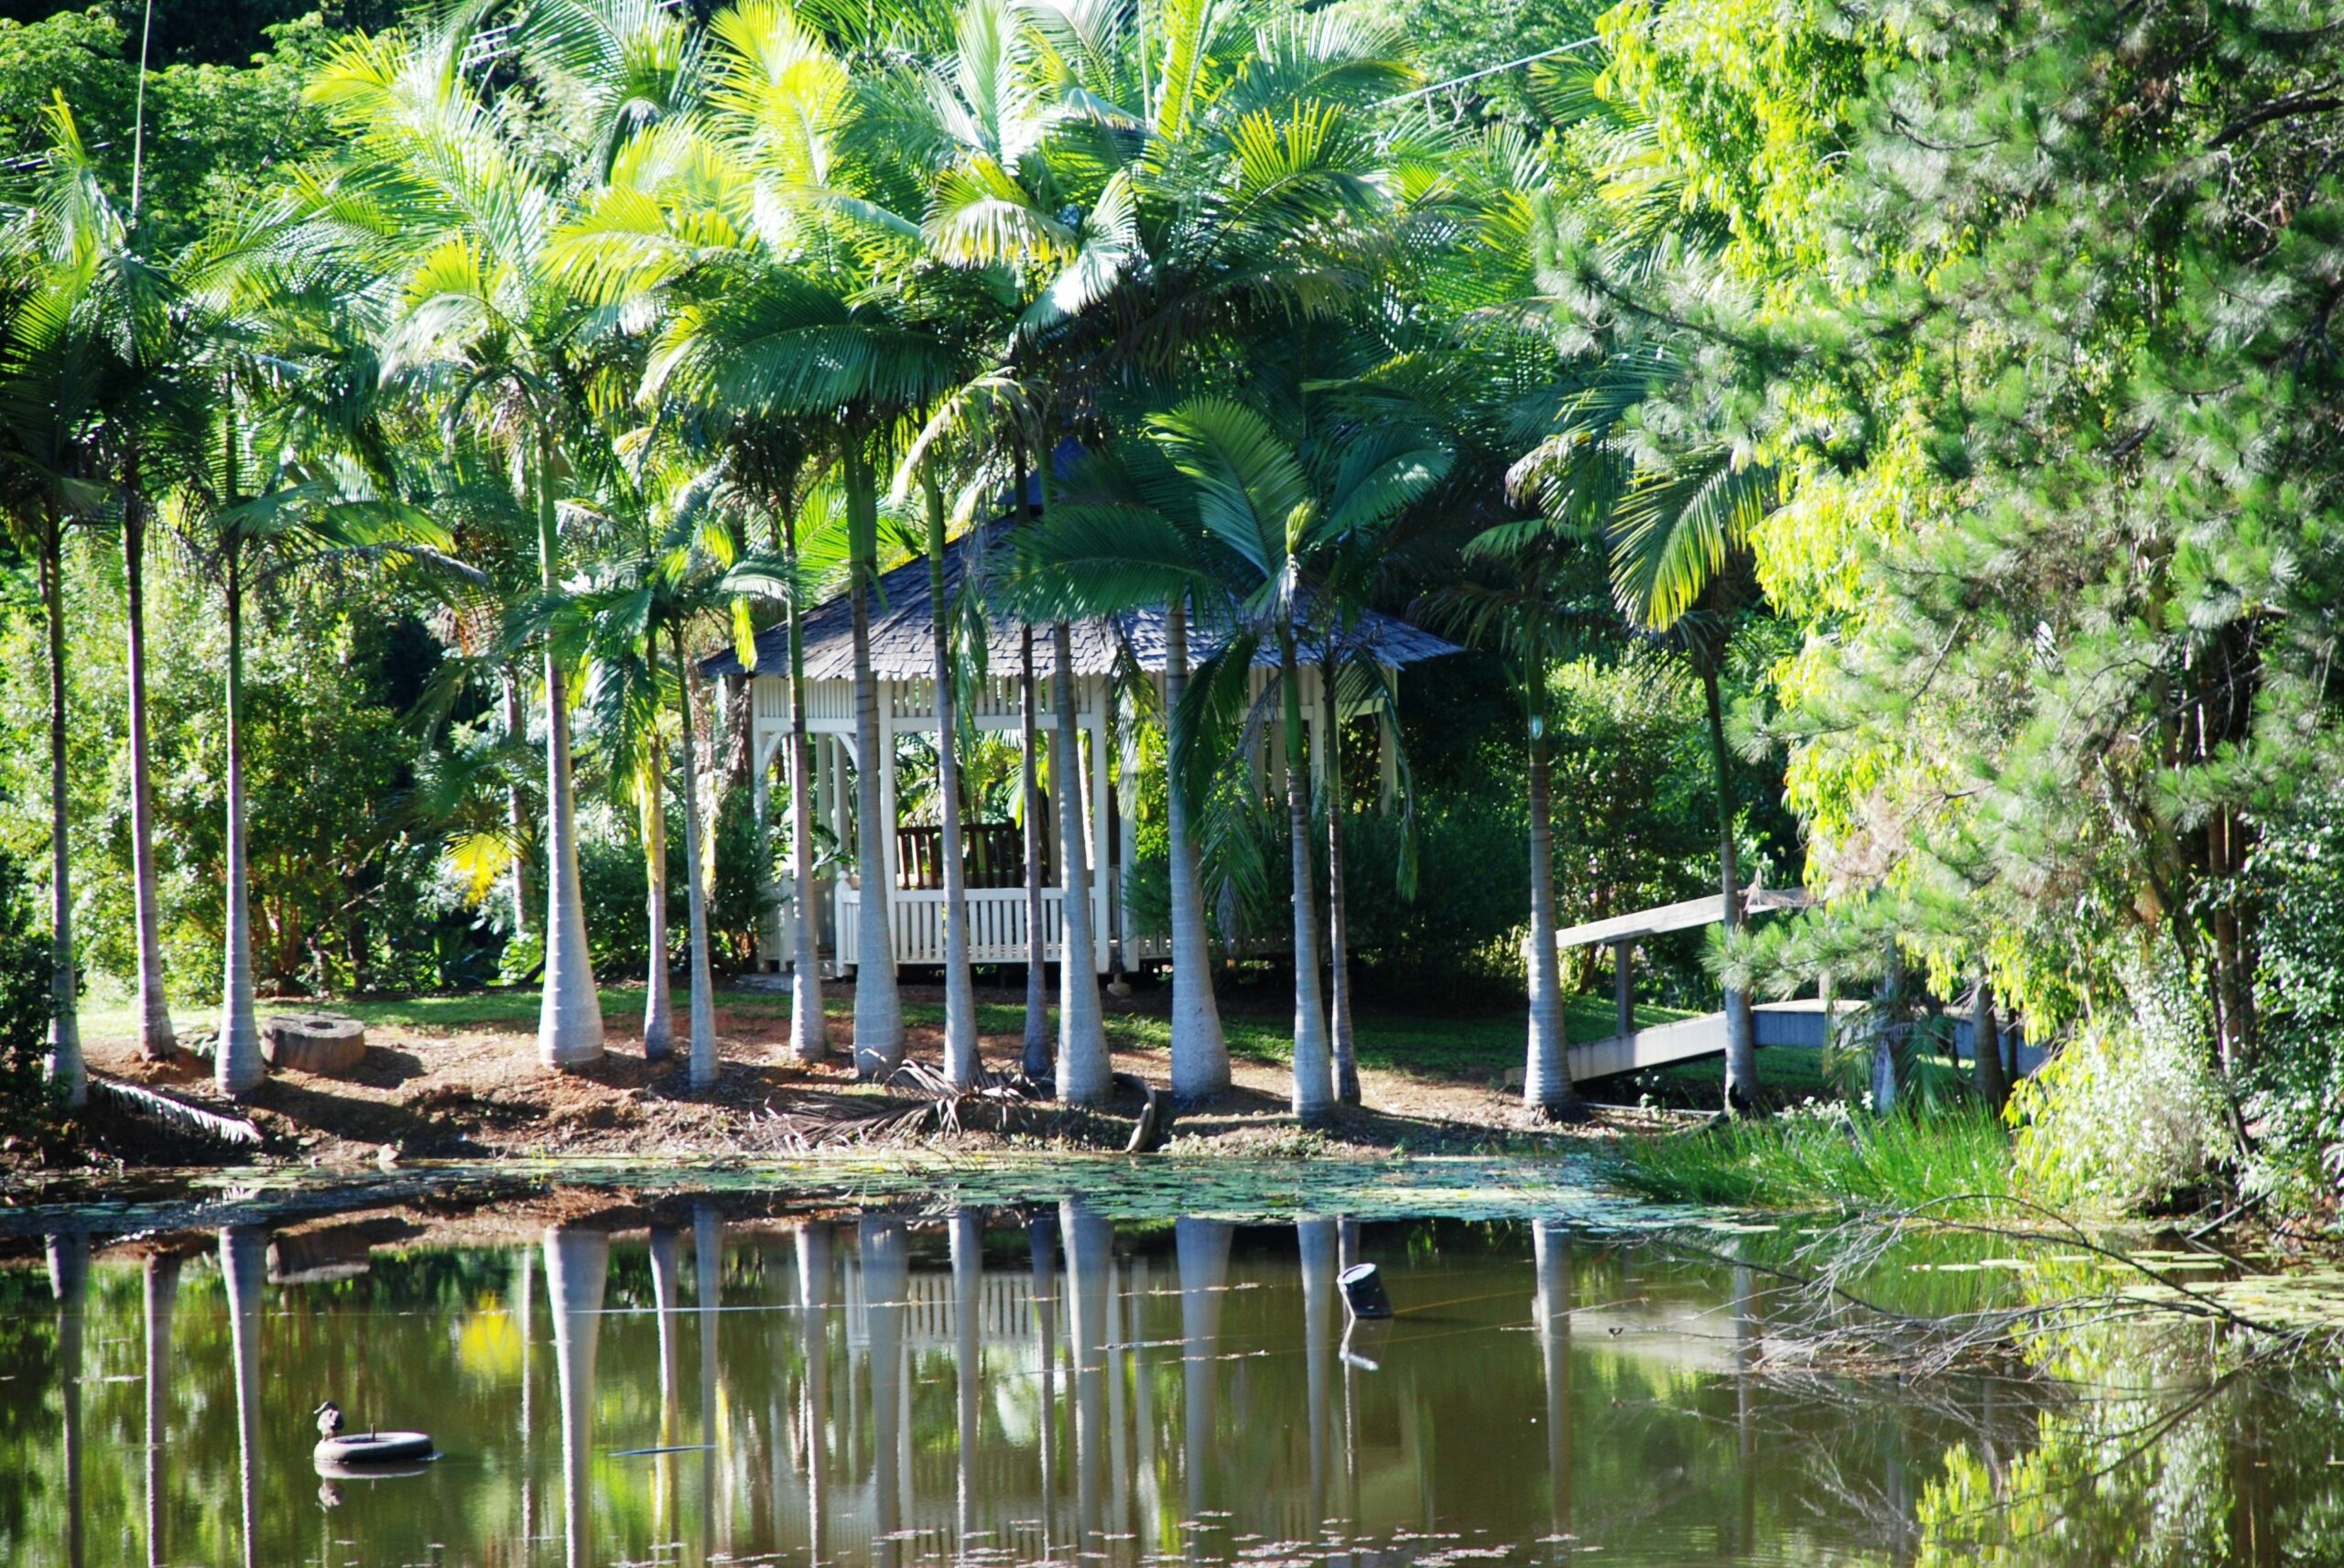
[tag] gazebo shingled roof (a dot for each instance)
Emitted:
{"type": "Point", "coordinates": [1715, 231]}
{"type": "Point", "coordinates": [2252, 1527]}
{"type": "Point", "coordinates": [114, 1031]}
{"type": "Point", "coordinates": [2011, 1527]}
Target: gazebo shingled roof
{"type": "Point", "coordinates": [903, 629]}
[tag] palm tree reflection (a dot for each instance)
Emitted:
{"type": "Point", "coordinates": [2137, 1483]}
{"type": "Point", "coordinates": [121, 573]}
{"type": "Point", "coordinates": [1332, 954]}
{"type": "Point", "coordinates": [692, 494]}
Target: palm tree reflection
{"type": "Point", "coordinates": [578, 1264]}
{"type": "Point", "coordinates": [242, 1263]}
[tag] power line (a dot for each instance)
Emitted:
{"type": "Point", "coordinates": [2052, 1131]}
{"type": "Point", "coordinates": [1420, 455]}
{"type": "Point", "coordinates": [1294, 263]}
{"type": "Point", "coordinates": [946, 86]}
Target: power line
{"type": "Point", "coordinates": [1490, 70]}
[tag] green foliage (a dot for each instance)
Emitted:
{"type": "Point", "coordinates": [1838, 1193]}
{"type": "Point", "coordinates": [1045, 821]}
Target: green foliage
{"type": "Point", "coordinates": [220, 124]}
{"type": "Point", "coordinates": [740, 896]}
{"type": "Point", "coordinates": [1822, 1156]}
{"type": "Point", "coordinates": [2295, 1098]}
{"type": "Point", "coordinates": [23, 1002]}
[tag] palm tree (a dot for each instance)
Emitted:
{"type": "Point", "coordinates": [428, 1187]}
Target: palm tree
{"type": "Point", "coordinates": [769, 462]}
{"type": "Point", "coordinates": [1520, 607]}
{"type": "Point", "coordinates": [250, 510]}
{"type": "Point", "coordinates": [81, 313]}
{"type": "Point", "coordinates": [962, 1065]}
{"type": "Point", "coordinates": [1251, 513]}
{"type": "Point", "coordinates": [454, 221]}
{"type": "Point", "coordinates": [671, 577]}
{"type": "Point", "coordinates": [1120, 537]}
{"type": "Point", "coordinates": [1678, 527]}
{"type": "Point", "coordinates": [794, 293]}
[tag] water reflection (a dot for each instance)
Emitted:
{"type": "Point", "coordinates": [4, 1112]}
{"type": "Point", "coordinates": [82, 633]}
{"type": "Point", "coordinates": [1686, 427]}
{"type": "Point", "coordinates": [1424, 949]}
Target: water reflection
{"type": "Point", "coordinates": [980, 1389]}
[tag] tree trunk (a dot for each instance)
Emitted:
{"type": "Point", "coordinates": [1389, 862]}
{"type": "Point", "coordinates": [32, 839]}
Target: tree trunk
{"type": "Point", "coordinates": [1741, 1032]}
{"type": "Point", "coordinates": [809, 1031]}
{"type": "Point", "coordinates": [960, 1059]}
{"type": "Point", "coordinates": [1986, 1048]}
{"type": "Point", "coordinates": [570, 1014]}
{"type": "Point", "coordinates": [658, 998]}
{"type": "Point", "coordinates": [703, 990]}
{"type": "Point", "coordinates": [1313, 1088]}
{"type": "Point", "coordinates": [156, 1037]}
{"type": "Point", "coordinates": [237, 1063]}
{"type": "Point", "coordinates": [1036, 1061]}
{"type": "Point", "coordinates": [1199, 1053]}
{"type": "Point", "coordinates": [1084, 1073]}
{"type": "Point", "coordinates": [66, 1068]}
{"type": "Point", "coordinates": [1546, 1087]}
{"type": "Point", "coordinates": [1338, 959]}
{"type": "Point", "coordinates": [516, 809]}
{"type": "Point", "coordinates": [878, 1011]}
{"type": "Point", "coordinates": [1888, 1015]}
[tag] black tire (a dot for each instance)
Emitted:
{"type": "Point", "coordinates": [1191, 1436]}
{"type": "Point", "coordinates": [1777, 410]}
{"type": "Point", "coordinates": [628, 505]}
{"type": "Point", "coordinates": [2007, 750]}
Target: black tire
{"type": "Point", "coordinates": [364, 1448]}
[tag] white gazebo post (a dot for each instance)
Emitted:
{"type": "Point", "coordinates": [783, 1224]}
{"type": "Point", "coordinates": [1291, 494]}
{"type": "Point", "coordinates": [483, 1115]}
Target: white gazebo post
{"type": "Point", "coordinates": [1126, 826]}
{"type": "Point", "coordinates": [888, 853]}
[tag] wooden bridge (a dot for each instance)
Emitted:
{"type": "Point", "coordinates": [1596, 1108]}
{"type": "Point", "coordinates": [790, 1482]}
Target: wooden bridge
{"type": "Point", "coordinates": [1805, 1025]}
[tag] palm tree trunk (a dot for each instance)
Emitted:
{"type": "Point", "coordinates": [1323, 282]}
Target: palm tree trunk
{"type": "Point", "coordinates": [1199, 1052]}
{"type": "Point", "coordinates": [1036, 1060]}
{"type": "Point", "coordinates": [570, 1015]}
{"type": "Point", "coordinates": [516, 808]}
{"type": "Point", "coordinates": [810, 1030]}
{"type": "Point", "coordinates": [1339, 962]}
{"type": "Point", "coordinates": [658, 991]}
{"type": "Point", "coordinates": [703, 990]}
{"type": "Point", "coordinates": [1546, 1087]}
{"type": "Point", "coordinates": [1741, 1032]}
{"type": "Point", "coordinates": [1986, 1048]}
{"type": "Point", "coordinates": [66, 1067]}
{"type": "Point", "coordinates": [237, 1063]}
{"type": "Point", "coordinates": [155, 1037]}
{"type": "Point", "coordinates": [1084, 1073]}
{"type": "Point", "coordinates": [1314, 1086]}
{"type": "Point", "coordinates": [878, 1011]}
{"type": "Point", "coordinates": [960, 1064]}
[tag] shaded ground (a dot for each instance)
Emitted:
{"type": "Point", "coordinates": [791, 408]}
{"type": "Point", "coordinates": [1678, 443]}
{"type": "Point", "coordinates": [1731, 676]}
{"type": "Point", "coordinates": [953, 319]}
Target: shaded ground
{"type": "Point", "coordinates": [457, 1077]}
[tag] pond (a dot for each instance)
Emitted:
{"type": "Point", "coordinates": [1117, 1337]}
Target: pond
{"type": "Point", "coordinates": [685, 1379]}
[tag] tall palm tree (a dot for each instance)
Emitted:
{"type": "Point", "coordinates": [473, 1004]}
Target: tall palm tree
{"type": "Point", "coordinates": [1520, 607]}
{"type": "Point", "coordinates": [82, 315]}
{"type": "Point", "coordinates": [251, 509]}
{"type": "Point", "coordinates": [794, 291]}
{"type": "Point", "coordinates": [131, 340]}
{"type": "Point", "coordinates": [1144, 179]}
{"type": "Point", "coordinates": [434, 196]}
{"type": "Point", "coordinates": [962, 1065]}
{"type": "Point", "coordinates": [1250, 514]}
{"type": "Point", "coordinates": [769, 461]}
{"type": "Point", "coordinates": [1121, 536]}
{"type": "Point", "coordinates": [668, 576]}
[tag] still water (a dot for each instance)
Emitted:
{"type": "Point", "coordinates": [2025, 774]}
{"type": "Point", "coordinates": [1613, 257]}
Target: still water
{"type": "Point", "coordinates": [1041, 1386]}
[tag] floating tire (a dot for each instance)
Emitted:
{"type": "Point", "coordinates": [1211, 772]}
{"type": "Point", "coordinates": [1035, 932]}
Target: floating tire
{"type": "Point", "coordinates": [362, 1450]}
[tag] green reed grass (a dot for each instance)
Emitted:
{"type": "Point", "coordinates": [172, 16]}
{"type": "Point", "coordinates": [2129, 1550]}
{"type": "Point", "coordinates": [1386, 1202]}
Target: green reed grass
{"type": "Point", "coordinates": [1820, 1157]}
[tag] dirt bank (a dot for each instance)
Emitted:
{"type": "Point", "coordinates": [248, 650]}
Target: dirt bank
{"type": "Point", "coordinates": [480, 1093]}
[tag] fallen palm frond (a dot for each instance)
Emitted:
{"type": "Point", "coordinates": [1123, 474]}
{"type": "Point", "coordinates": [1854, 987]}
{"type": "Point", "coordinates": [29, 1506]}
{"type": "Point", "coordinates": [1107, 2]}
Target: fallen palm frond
{"type": "Point", "coordinates": [164, 1110]}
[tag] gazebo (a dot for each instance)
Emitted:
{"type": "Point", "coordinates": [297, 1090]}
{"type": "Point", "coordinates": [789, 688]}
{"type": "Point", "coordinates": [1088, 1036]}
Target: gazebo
{"type": "Point", "coordinates": [902, 660]}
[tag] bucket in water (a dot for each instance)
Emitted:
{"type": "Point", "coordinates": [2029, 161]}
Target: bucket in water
{"type": "Point", "coordinates": [1363, 1291]}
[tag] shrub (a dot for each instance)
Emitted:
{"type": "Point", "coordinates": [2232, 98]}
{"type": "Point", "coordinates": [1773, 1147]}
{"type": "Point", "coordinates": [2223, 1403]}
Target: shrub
{"type": "Point", "coordinates": [2127, 1116]}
